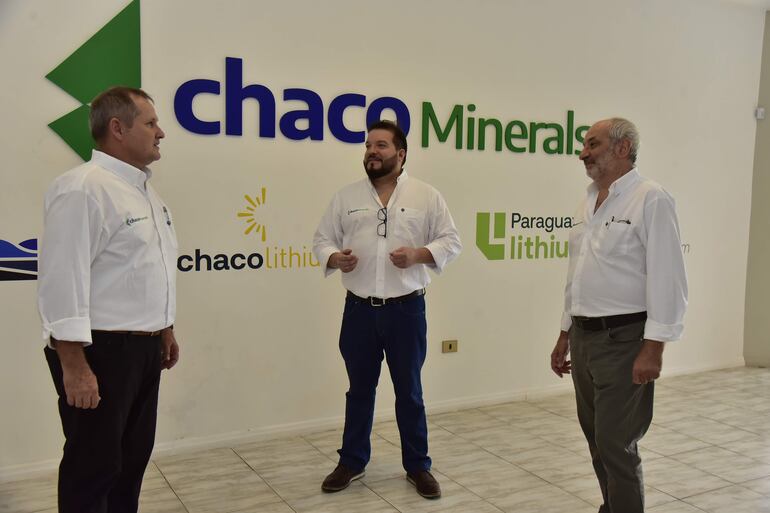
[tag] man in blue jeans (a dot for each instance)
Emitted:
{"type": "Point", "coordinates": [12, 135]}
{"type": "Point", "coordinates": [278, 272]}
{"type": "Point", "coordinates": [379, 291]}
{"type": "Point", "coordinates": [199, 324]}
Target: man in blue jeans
{"type": "Point", "coordinates": [384, 232]}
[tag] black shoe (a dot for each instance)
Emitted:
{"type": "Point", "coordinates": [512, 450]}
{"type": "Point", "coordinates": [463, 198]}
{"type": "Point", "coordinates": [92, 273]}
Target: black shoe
{"type": "Point", "coordinates": [426, 484]}
{"type": "Point", "coordinates": [340, 479]}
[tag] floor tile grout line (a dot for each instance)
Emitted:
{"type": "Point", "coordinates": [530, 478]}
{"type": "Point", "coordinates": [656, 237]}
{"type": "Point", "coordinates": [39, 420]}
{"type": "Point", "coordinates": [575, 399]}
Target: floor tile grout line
{"type": "Point", "coordinates": [712, 420]}
{"type": "Point", "coordinates": [713, 490]}
{"type": "Point", "coordinates": [263, 480]}
{"type": "Point", "coordinates": [514, 465]}
{"type": "Point", "coordinates": [170, 487]}
{"type": "Point", "coordinates": [755, 460]}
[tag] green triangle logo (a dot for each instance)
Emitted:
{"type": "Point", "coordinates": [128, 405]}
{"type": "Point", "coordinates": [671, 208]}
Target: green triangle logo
{"type": "Point", "coordinates": [110, 57]}
{"type": "Point", "coordinates": [73, 129]}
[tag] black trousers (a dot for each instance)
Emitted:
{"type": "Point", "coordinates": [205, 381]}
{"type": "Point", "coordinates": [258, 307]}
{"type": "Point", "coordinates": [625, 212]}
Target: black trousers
{"type": "Point", "coordinates": [107, 449]}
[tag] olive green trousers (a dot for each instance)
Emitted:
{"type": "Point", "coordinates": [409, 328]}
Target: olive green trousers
{"type": "Point", "coordinates": [614, 413]}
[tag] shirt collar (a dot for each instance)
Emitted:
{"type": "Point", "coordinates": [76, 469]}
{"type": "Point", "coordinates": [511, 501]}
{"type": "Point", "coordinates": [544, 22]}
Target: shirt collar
{"type": "Point", "coordinates": [403, 176]}
{"type": "Point", "coordinates": [124, 170]}
{"type": "Point", "coordinates": [620, 185]}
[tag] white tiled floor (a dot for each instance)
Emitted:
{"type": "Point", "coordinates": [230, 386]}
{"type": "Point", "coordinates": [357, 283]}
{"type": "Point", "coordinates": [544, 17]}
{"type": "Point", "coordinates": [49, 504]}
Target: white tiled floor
{"type": "Point", "coordinates": [708, 450]}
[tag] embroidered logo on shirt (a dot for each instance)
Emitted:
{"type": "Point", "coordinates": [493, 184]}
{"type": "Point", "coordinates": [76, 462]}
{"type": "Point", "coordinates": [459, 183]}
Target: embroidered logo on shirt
{"type": "Point", "coordinates": [132, 220]}
{"type": "Point", "coordinates": [353, 211]}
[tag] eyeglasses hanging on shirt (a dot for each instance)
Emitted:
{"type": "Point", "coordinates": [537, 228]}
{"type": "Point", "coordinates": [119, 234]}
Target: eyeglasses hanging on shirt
{"type": "Point", "coordinates": [613, 220]}
{"type": "Point", "coordinates": [382, 228]}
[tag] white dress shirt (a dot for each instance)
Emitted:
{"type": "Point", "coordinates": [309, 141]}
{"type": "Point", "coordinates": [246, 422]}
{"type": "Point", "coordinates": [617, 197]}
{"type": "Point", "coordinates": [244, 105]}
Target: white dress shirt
{"type": "Point", "coordinates": [627, 257]}
{"type": "Point", "coordinates": [108, 254]}
{"type": "Point", "coordinates": [417, 217]}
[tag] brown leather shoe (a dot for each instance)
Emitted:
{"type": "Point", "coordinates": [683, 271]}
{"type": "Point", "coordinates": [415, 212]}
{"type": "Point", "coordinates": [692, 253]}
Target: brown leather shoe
{"type": "Point", "coordinates": [426, 484]}
{"type": "Point", "coordinates": [340, 478]}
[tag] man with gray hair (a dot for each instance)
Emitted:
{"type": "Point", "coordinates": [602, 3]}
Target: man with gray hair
{"type": "Point", "coordinates": [625, 298]}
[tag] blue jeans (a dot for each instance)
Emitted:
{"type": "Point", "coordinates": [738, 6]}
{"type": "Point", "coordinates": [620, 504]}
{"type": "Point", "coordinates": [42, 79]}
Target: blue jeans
{"type": "Point", "coordinates": [399, 332]}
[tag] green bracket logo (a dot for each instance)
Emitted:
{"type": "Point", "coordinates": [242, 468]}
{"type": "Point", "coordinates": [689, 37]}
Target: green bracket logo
{"type": "Point", "coordinates": [524, 244]}
{"type": "Point", "coordinates": [491, 251]}
{"type": "Point", "coordinates": [109, 58]}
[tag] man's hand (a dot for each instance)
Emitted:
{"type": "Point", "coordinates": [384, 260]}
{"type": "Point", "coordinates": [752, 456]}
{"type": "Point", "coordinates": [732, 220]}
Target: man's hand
{"type": "Point", "coordinates": [559, 363]}
{"type": "Point", "coordinates": [80, 384]}
{"type": "Point", "coordinates": [405, 257]}
{"type": "Point", "coordinates": [345, 261]}
{"type": "Point", "coordinates": [648, 362]}
{"type": "Point", "coordinates": [169, 353]}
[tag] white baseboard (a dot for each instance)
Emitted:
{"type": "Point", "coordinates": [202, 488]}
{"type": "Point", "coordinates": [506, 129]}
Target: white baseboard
{"type": "Point", "coordinates": [28, 470]}
{"type": "Point", "coordinates": [682, 371]}
{"type": "Point", "coordinates": [38, 469]}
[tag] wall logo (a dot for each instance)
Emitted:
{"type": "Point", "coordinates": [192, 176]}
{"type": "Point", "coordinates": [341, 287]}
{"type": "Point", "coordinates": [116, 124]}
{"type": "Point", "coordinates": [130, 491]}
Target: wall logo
{"type": "Point", "coordinates": [110, 57]}
{"type": "Point", "coordinates": [313, 117]}
{"type": "Point", "coordinates": [297, 124]}
{"type": "Point", "coordinates": [273, 257]}
{"type": "Point", "coordinates": [18, 261]}
{"type": "Point", "coordinates": [523, 246]}
{"type": "Point", "coordinates": [248, 215]}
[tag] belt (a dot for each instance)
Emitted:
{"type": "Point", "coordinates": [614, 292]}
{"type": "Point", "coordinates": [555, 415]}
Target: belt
{"type": "Point", "coordinates": [134, 333]}
{"type": "Point", "coordinates": [611, 321]}
{"type": "Point", "coordinates": [381, 301]}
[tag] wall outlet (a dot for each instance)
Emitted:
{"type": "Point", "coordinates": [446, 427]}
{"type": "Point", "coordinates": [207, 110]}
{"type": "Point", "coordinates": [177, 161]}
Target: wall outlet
{"type": "Point", "coordinates": [448, 346]}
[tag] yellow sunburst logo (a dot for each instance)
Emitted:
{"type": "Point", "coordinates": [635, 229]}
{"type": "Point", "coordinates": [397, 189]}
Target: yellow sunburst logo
{"type": "Point", "coordinates": [248, 215]}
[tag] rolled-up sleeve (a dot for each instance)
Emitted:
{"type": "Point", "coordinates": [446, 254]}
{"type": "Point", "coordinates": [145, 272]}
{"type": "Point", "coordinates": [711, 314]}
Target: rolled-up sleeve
{"type": "Point", "coordinates": [328, 236]}
{"type": "Point", "coordinates": [444, 240]}
{"type": "Point", "coordinates": [72, 228]}
{"type": "Point", "coordinates": [666, 277]}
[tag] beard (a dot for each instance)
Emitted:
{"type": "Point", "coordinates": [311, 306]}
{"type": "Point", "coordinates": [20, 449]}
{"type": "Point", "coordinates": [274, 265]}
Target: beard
{"type": "Point", "coordinates": [598, 168]}
{"type": "Point", "coordinates": [387, 166]}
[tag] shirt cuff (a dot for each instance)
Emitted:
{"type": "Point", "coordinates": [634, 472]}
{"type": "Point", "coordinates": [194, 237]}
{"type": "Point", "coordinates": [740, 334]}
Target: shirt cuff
{"type": "Point", "coordinates": [566, 321]}
{"type": "Point", "coordinates": [662, 332]}
{"type": "Point", "coordinates": [323, 257]}
{"type": "Point", "coordinates": [74, 329]}
{"type": "Point", "coordinates": [439, 257]}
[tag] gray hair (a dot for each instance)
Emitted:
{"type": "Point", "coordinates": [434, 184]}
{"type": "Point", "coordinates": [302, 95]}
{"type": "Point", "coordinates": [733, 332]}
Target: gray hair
{"type": "Point", "coordinates": [620, 129]}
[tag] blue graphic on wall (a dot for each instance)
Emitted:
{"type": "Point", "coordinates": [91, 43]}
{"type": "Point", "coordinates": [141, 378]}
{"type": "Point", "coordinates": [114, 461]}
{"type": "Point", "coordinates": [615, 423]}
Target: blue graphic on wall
{"type": "Point", "coordinates": [18, 261]}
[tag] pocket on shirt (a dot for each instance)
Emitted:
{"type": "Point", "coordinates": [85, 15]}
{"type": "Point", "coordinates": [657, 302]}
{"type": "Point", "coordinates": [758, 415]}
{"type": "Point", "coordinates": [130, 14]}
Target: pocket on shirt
{"type": "Point", "coordinates": [409, 225]}
{"type": "Point", "coordinates": [616, 240]}
{"type": "Point", "coordinates": [576, 234]}
{"type": "Point", "coordinates": [355, 216]}
{"type": "Point", "coordinates": [172, 236]}
{"type": "Point", "coordinates": [168, 224]}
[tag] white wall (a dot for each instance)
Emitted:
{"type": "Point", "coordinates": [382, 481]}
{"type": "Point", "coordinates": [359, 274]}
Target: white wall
{"type": "Point", "coordinates": [259, 348]}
